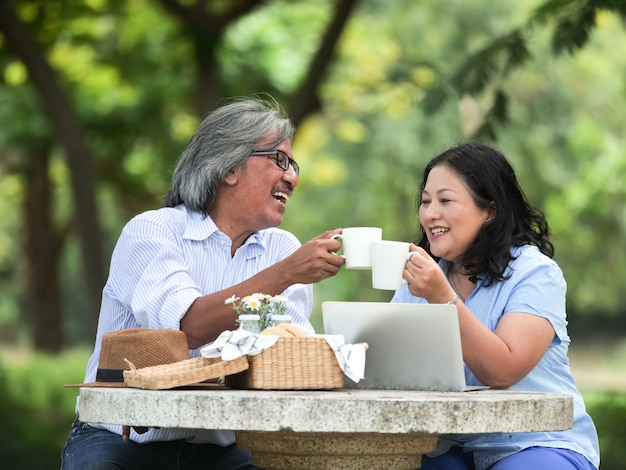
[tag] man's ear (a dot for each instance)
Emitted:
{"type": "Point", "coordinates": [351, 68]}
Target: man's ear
{"type": "Point", "coordinates": [232, 177]}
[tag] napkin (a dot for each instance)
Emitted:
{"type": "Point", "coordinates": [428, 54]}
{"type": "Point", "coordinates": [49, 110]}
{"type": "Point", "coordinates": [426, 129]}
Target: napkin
{"type": "Point", "coordinates": [232, 344]}
{"type": "Point", "coordinates": [351, 357]}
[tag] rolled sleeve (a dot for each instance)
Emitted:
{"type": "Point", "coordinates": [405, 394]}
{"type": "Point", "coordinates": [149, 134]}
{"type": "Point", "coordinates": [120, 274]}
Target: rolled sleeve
{"type": "Point", "coordinates": [150, 276]}
{"type": "Point", "coordinates": [540, 289]}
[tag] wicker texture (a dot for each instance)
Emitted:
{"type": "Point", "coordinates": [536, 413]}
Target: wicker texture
{"type": "Point", "coordinates": [178, 374]}
{"type": "Point", "coordinates": [299, 363]}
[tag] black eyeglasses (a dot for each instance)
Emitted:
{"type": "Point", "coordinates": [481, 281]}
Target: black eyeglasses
{"type": "Point", "coordinates": [281, 158]}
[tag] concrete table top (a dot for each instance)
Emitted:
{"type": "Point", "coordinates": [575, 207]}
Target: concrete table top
{"type": "Point", "coordinates": [338, 429]}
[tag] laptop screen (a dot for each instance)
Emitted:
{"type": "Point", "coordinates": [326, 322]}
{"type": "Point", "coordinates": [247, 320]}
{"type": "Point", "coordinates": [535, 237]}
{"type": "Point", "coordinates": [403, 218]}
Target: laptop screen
{"type": "Point", "coordinates": [411, 346]}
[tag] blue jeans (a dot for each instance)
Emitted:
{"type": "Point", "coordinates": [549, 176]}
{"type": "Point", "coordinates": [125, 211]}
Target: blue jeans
{"type": "Point", "coordinates": [89, 448]}
{"type": "Point", "coordinates": [537, 458]}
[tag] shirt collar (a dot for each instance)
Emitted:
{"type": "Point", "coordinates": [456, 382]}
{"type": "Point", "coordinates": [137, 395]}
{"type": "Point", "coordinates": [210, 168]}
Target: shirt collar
{"type": "Point", "coordinates": [201, 227]}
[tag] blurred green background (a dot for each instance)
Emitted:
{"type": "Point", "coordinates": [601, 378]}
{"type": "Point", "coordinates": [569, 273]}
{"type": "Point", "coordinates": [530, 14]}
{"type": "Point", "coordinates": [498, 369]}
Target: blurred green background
{"type": "Point", "coordinates": [98, 98]}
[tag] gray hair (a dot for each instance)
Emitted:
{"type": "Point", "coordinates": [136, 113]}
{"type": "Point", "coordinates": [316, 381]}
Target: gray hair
{"type": "Point", "coordinates": [222, 143]}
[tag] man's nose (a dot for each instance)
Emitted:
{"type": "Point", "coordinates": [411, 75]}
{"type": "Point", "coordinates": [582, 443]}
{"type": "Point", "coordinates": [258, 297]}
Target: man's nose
{"type": "Point", "coordinates": [290, 176]}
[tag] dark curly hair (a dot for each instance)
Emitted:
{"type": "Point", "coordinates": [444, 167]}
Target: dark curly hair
{"type": "Point", "coordinates": [492, 183]}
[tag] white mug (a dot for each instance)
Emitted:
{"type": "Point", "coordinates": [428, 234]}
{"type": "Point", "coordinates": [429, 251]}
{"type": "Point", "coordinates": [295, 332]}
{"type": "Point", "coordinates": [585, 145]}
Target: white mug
{"type": "Point", "coordinates": [388, 261]}
{"type": "Point", "coordinates": [356, 245]}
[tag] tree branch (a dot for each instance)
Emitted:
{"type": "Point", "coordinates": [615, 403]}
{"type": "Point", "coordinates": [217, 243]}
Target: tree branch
{"type": "Point", "coordinates": [305, 100]}
{"type": "Point", "coordinates": [197, 16]}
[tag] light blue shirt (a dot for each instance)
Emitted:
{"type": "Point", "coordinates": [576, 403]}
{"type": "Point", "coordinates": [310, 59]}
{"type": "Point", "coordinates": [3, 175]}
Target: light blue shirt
{"type": "Point", "coordinates": [537, 287]}
{"type": "Point", "coordinates": [163, 261]}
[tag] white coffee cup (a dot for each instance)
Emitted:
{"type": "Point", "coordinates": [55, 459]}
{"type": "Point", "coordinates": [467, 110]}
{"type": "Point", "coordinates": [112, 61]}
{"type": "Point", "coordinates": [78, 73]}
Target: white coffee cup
{"type": "Point", "coordinates": [388, 261]}
{"type": "Point", "coordinates": [356, 245]}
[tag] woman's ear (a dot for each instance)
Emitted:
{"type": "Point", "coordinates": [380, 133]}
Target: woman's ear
{"type": "Point", "coordinates": [492, 212]}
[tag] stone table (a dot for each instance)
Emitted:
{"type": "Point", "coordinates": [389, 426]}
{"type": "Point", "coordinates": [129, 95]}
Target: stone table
{"type": "Point", "coordinates": [331, 430]}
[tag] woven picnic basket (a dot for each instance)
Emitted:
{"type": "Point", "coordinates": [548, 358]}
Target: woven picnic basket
{"type": "Point", "coordinates": [299, 363]}
{"type": "Point", "coordinates": [186, 372]}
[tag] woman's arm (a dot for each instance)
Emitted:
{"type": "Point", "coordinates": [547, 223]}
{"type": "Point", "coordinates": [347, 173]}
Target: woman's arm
{"type": "Point", "coordinates": [504, 357]}
{"type": "Point", "coordinates": [497, 358]}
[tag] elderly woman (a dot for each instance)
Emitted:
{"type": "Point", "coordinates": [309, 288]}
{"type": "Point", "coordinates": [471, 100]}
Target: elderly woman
{"type": "Point", "coordinates": [485, 249]}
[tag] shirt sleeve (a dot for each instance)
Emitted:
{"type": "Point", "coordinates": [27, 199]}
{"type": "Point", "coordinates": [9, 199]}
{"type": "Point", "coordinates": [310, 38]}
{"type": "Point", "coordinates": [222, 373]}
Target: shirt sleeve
{"type": "Point", "coordinates": [148, 274]}
{"type": "Point", "coordinates": [539, 289]}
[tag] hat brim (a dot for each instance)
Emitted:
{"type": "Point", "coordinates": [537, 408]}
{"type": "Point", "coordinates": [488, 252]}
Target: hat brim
{"type": "Point", "coordinates": [190, 372]}
{"type": "Point", "coordinates": [209, 383]}
{"type": "Point", "coordinates": [99, 384]}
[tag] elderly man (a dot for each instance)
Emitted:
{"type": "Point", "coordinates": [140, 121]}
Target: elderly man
{"type": "Point", "coordinates": [215, 236]}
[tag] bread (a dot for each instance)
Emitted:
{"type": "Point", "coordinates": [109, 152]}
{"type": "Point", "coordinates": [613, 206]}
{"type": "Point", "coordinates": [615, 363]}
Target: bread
{"type": "Point", "coordinates": [286, 330]}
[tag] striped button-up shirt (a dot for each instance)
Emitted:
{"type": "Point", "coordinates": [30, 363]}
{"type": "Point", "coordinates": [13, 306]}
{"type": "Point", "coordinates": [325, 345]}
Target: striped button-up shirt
{"type": "Point", "coordinates": [163, 261]}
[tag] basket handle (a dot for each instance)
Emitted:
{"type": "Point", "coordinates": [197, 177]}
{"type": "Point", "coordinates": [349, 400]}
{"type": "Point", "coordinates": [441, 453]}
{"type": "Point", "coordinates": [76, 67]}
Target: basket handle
{"type": "Point", "coordinates": [132, 366]}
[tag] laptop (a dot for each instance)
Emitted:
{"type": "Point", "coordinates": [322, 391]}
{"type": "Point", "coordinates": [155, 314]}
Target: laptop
{"type": "Point", "coordinates": [411, 346]}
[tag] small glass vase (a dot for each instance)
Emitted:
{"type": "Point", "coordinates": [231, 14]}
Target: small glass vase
{"type": "Point", "coordinates": [250, 322]}
{"type": "Point", "coordinates": [278, 319]}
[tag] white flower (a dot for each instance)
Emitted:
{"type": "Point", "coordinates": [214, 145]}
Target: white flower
{"type": "Point", "coordinates": [262, 304]}
{"type": "Point", "coordinates": [231, 300]}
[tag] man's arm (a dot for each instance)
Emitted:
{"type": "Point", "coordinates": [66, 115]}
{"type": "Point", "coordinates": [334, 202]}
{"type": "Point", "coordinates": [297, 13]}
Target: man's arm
{"type": "Point", "coordinates": [312, 262]}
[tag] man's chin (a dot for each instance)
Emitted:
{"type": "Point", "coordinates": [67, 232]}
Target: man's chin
{"type": "Point", "coordinates": [273, 223]}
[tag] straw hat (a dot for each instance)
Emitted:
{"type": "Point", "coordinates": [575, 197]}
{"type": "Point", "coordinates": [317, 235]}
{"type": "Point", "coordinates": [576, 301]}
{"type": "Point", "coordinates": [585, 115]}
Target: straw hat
{"type": "Point", "coordinates": [154, 359]}
{"type": "Point", "coordinates": [143, 347]}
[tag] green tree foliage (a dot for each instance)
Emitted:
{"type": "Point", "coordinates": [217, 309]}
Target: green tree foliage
{"type": "Point", "coordinates": [406, 80]}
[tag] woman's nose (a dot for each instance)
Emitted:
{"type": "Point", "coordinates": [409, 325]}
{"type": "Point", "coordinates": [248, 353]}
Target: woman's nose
{"type": "Point", "coordinates": [431, 212]}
